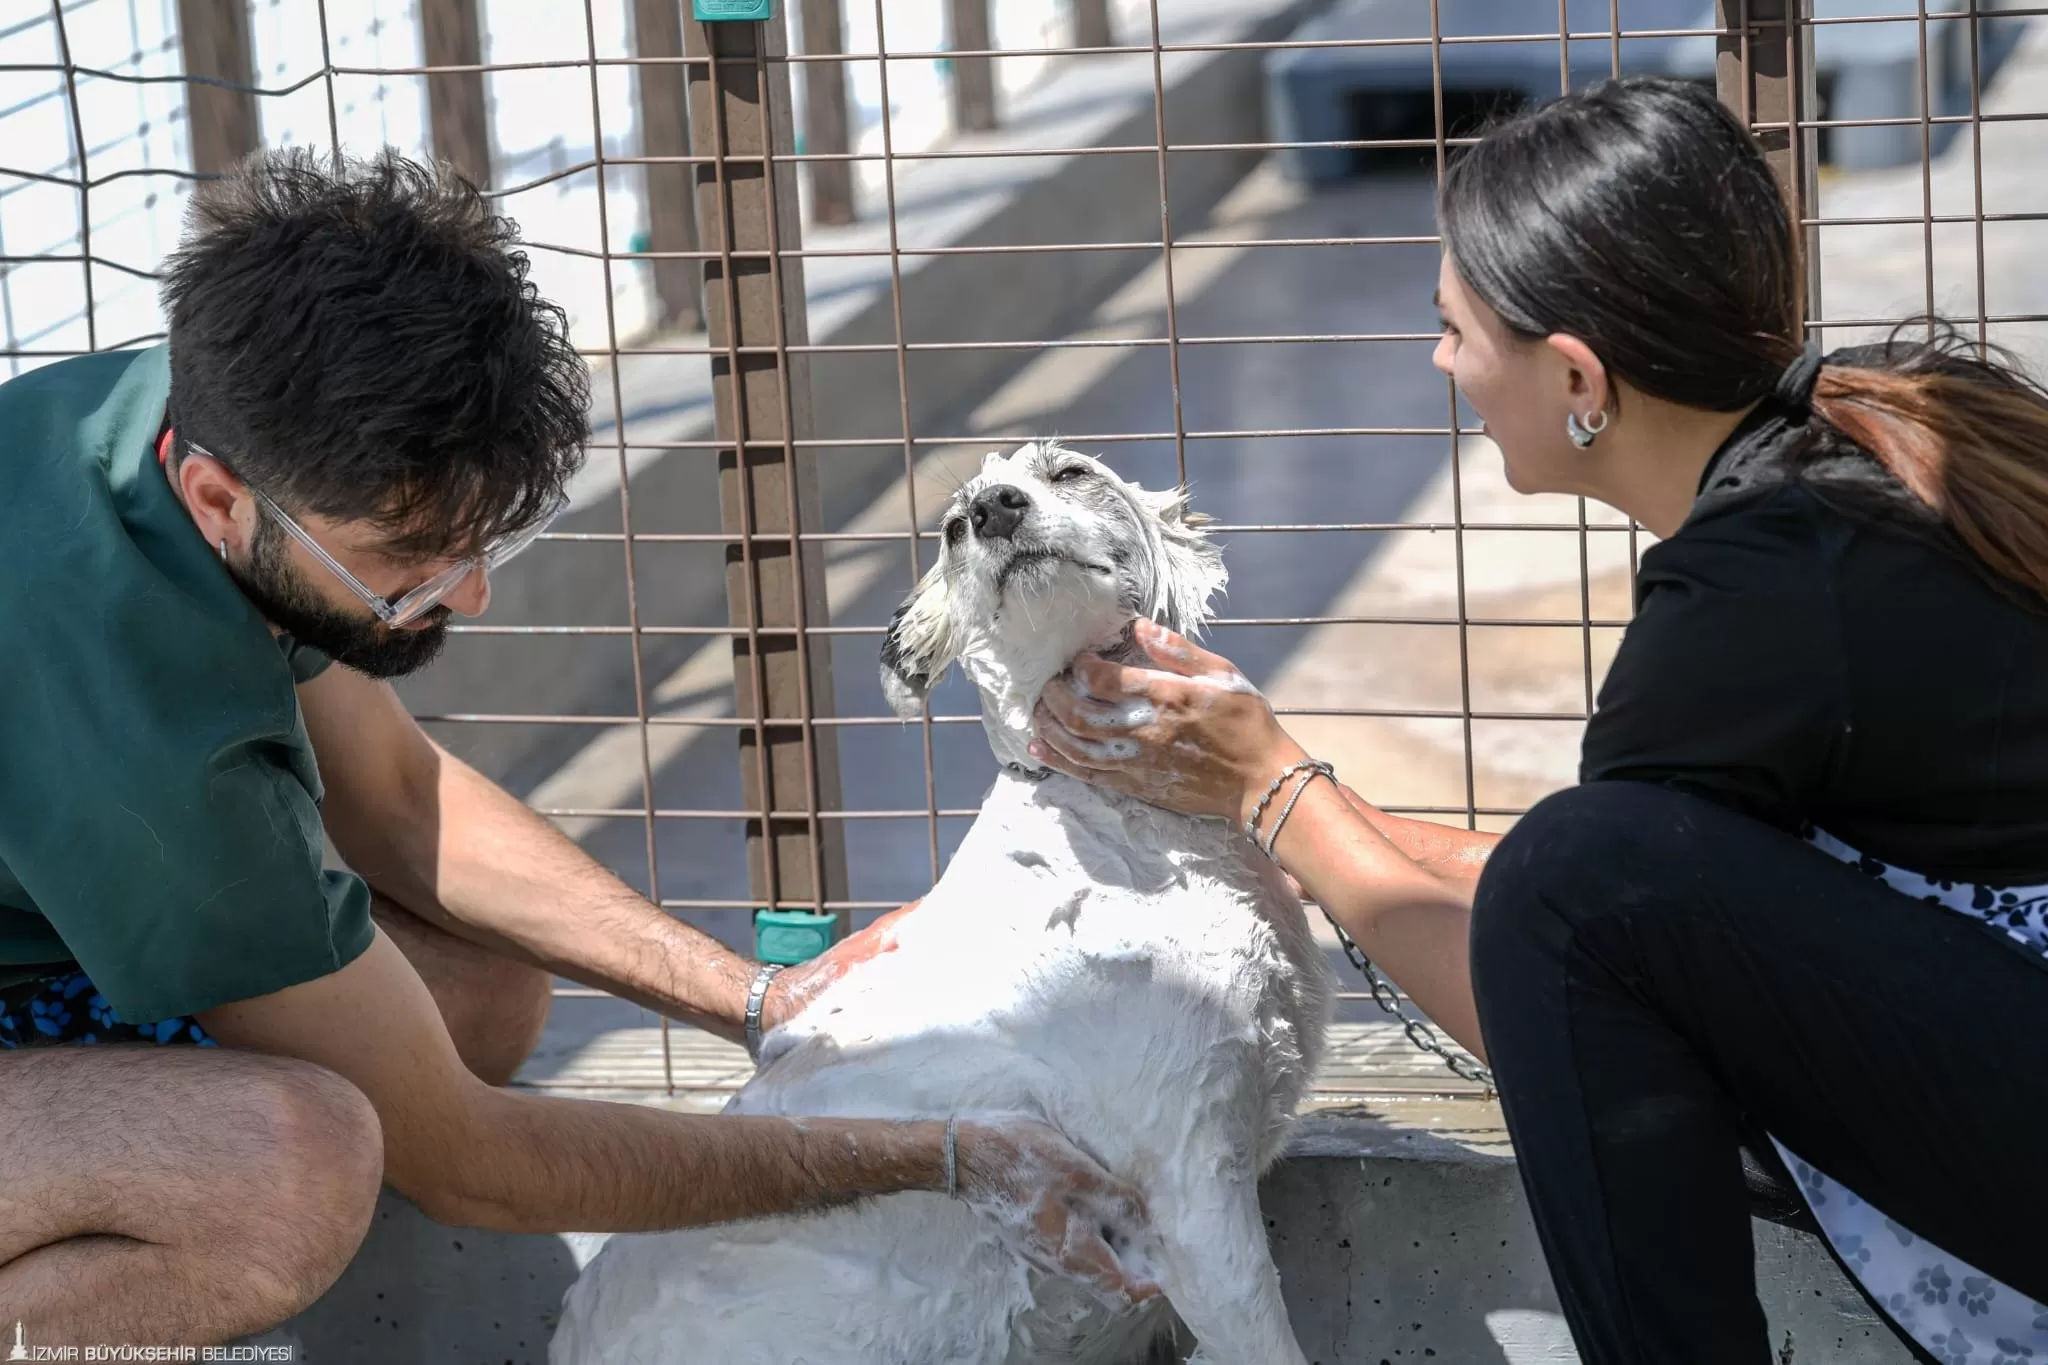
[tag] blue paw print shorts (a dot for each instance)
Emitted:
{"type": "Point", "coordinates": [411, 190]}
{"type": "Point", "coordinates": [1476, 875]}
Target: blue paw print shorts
{"type": "Point", "coordinates": [67, 1008]}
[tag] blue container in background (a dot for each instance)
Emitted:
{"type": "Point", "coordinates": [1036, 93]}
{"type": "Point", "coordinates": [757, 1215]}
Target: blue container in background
{"type": "Point", "coordinates": [715, 11]}
{"type": "Point", "coordinates": [788, 937]}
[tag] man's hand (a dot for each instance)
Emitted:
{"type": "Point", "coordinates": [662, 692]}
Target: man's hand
{"type": "Point", "coordinates": [1061, 1211]}
{"type": "Point", "coordinates": [794, 988]}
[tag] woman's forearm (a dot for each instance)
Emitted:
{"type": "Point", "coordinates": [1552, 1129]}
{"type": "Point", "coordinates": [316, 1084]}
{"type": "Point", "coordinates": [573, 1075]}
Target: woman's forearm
{"type": "Point", "coordinates": [1401, 889]}
{"type": "Point", "coordinates": [1458, 856]}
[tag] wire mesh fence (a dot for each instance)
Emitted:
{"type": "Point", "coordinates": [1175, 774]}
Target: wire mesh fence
{"type": "Point", "coordinates": [819, 265]}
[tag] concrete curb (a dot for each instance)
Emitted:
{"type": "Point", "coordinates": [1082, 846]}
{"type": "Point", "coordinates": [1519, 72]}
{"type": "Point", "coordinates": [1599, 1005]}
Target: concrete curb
{"type": "Point", "coordinates": [1396, 1245]}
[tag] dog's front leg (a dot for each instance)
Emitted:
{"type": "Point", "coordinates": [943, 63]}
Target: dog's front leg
{"type": "Point", "coordinates": [1213, 1260]}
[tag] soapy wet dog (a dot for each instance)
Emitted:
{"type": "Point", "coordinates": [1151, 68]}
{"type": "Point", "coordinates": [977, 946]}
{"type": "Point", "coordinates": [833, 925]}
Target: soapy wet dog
{"type": "Point", "coordinates": [1145, 982]}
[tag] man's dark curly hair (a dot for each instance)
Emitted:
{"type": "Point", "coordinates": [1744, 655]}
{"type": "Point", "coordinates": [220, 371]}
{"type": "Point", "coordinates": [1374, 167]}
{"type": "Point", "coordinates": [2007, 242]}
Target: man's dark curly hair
{"type": "Point", "coordinates": [360, 341]}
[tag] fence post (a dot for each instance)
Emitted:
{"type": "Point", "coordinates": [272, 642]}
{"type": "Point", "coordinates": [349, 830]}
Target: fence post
{"type": "Point", "coordinates": [1763, 70]}
{"type": "Point", "coordinates": [1092, 26]}
{"type": "Point", "coordinates": [222, 123]}
{"type": "Point", "coordinates": [768, 485]}
{"type": "Point", "coordinates": [974, 78]}
{"type": "Point", "coordinates": [451, 35]}
{"type": "Point", "coordinates": [664, 105]}
{"type": "Point", "coordinates": [825, 122]}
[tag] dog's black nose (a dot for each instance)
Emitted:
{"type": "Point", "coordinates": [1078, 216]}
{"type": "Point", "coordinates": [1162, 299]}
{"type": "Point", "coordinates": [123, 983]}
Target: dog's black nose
{"type": "Point", "coordinates": [997, 512]}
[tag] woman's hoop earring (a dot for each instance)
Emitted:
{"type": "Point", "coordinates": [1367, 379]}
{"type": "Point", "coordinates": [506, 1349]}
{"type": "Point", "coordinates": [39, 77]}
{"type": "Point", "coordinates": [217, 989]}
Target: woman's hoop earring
{"type": "Point", "coordinates": [1583, 432]}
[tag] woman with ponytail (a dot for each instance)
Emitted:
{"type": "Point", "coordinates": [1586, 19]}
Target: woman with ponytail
{"type": "Point", "coordinates": [1797, 904]}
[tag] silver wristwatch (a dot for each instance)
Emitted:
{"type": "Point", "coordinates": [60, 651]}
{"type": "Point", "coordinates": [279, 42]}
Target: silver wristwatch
{"type": "Point", "coordinates": [757, 995]}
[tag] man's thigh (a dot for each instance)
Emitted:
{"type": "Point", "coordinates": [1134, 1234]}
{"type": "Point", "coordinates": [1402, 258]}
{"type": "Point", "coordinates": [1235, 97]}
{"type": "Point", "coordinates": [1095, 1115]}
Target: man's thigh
{"type": "Point", "coordinates": [181, 1145]}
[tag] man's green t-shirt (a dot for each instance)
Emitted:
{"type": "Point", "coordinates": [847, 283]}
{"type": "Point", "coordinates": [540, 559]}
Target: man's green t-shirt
{"type": "Point", "coordinates": [159, 801]}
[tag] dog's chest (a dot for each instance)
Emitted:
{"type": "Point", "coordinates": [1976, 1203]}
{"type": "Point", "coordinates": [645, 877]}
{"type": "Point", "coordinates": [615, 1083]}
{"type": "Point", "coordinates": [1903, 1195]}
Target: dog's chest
{"type": "Point", "coordinates": [1067, 920]}
{"type": "Point", "coordinates": [1055, 869]}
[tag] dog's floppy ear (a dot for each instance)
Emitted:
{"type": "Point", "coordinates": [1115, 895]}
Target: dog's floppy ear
{"type": "Point", "coordinates": [918, 647]}
{"type": "Point", "coordinates": [1188, 570]}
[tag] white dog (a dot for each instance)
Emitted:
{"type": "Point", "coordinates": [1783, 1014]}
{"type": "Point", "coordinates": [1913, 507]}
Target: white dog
{"type": "Point", "coordinates": [1142, 981]}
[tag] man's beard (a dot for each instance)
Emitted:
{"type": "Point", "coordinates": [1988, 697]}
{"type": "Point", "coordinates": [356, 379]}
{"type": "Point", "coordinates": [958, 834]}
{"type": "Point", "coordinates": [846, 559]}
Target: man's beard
{"type": "Point", "coordinates": [363, 644]}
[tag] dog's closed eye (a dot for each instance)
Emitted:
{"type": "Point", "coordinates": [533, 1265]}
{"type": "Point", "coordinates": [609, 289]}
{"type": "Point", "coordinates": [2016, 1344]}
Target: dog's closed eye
{"type": "Point", "coordinates": [1071, 472]}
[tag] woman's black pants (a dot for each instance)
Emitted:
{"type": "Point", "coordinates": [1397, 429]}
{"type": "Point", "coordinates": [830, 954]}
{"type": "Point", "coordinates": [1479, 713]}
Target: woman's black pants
{"type": "Point", "coordinates": [1660, 979]}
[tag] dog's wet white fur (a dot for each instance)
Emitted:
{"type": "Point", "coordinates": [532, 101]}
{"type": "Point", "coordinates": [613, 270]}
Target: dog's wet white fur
{"type": "Point", "coordinates": [1143, 981]}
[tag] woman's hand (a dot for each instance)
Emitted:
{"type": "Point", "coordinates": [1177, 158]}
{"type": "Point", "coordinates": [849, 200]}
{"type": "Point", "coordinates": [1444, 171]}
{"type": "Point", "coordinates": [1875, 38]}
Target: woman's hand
{"type": "Point", "coordinates": [1060, 1210]}
{"type": "Point", "coordinates": [1186, 732]}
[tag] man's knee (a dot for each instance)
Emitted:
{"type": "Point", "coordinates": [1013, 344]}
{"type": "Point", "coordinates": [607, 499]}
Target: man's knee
{"type": "Point", "coordinates": [495, 1008]}
{"type": "Point", "coordinates": [329, 1123]}
{"type": "Point", "coordinates": [319, 1160]}
{"type": "Point", "coordinates": [253, 1175]}
{"type": "Point", "coordinates": [510, 1028]}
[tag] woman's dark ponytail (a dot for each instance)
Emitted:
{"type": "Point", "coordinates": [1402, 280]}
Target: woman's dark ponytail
{"type": "Point", "coordinates": [1966, 433]}
{"type": "Point", "coordinates": [1640, 217]}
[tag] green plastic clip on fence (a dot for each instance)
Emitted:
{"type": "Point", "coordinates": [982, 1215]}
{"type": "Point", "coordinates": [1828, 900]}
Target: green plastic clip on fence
{"type": "Point", "coordinates": [791, 936]}
{"type": "Point", "coordinates": [721, 11]}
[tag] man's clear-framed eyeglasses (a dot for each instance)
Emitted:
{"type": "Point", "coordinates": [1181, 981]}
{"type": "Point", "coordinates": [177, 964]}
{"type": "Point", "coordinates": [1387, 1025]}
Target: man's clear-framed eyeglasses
{"type": "Point", "coordinates": [417, 602]}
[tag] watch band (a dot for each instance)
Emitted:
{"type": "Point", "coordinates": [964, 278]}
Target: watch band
{"type": "Point", "coordinates": [757, 995]}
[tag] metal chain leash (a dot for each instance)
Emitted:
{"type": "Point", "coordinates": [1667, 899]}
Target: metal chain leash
{"type": "Point", "coordinates": [1419, 1032]}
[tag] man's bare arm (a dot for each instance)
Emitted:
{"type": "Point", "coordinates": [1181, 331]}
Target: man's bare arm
{"type": "Point", "coordinates": [460, 852]}
{"type": "Point", "coordinates": [476, 1156]}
